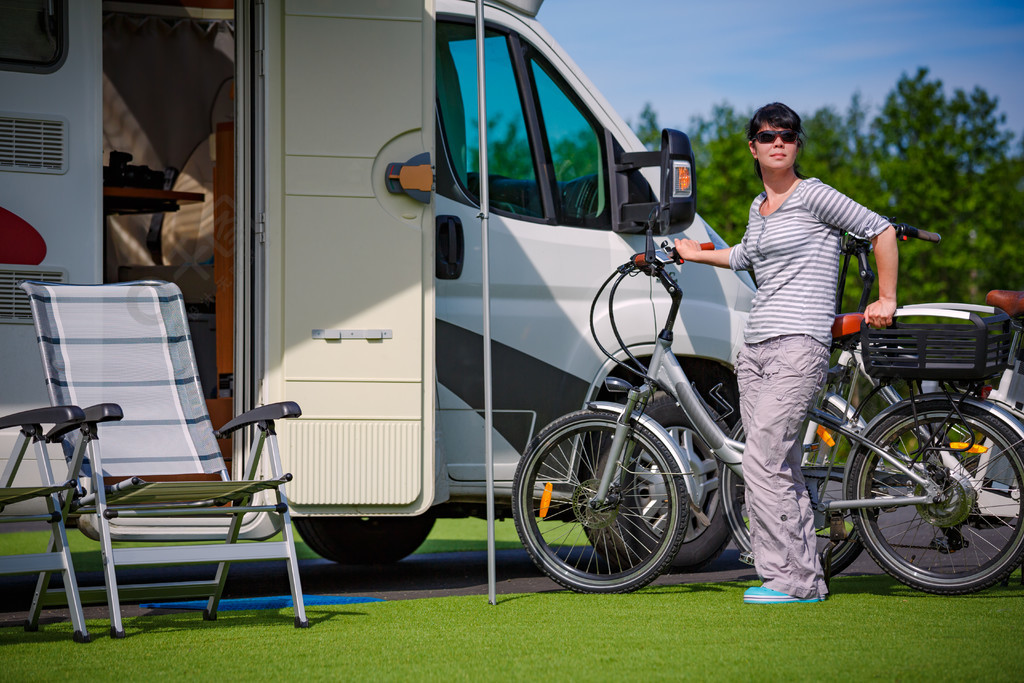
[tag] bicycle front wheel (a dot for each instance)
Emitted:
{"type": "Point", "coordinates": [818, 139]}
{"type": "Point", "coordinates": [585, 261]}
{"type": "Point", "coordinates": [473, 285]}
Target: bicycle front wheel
{"type": "Point", "coordinates": [618, 546]}
{"type": "Point", "coordinates": [973, 535]}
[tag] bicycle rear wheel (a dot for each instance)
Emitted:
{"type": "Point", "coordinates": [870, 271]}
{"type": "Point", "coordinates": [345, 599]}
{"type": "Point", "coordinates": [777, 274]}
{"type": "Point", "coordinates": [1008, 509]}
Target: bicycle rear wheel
{"type": "Point", "coordinates": [973, 536]}
{"type": "Point", "coordinates": [618, 547]}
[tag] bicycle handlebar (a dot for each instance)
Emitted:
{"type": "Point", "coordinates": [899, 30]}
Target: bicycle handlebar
{"type": "Point", "coordinates": [904, 232]}
{"type": "Point", "coordinates": [640, 260]}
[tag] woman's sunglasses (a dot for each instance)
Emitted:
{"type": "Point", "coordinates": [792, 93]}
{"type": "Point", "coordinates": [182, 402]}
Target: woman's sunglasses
{"type": "Point", "coordinates": [767, 137]}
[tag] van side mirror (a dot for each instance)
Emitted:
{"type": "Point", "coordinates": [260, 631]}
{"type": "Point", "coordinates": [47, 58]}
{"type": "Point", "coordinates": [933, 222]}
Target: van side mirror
{"type": "Point", "coordinates": [678, 186]}
{"type": "Point", "coordinates": [678, 204]}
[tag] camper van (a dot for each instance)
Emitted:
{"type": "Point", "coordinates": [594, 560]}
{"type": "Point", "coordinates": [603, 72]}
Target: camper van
{"type": "Point", "coordinates": [307, 172]}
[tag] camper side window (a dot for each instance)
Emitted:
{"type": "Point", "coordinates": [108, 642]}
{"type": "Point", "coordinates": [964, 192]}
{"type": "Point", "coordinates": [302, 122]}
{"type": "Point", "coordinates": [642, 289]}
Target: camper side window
{"type": "Point", "coordinates": [545, 158]}
{"type": "Point", "coordinates": [33, 35]}
{"type": "Point", "coordinates": [512, 175]}
{"type": "Point", "coordinates": [574, 150]}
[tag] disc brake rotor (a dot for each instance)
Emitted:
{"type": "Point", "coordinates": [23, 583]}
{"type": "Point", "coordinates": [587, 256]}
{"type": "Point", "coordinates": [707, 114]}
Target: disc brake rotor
{"type": "Point", "coordinates": [585, 514]}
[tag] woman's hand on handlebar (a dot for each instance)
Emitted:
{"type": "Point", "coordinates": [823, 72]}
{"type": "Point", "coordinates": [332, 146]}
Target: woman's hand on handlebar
{"type": "Point", "coordinates": [691, 250]}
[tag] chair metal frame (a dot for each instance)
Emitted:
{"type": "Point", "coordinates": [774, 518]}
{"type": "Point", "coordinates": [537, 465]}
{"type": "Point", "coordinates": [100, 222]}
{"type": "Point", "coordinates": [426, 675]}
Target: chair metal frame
{"type": "Point", "coordinates": [58, 497]}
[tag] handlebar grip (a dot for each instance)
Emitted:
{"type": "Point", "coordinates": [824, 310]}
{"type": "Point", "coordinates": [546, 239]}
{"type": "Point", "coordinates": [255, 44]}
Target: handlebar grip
{"type": "Point", "coordinates": [904, 231]}
{"type": "Point", "coordinates": [640, 260]}
{"type": "Point", "coordinates": [704, 246]}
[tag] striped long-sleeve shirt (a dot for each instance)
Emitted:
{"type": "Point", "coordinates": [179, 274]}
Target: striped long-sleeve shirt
{"type": "Point", "coordinates": [794, 253]}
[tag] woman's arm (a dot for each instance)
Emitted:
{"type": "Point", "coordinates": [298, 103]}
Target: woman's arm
{"type": "Point", "coordinates": [887, 259]}
{"type": "Point", "coordinates": [689, 250]}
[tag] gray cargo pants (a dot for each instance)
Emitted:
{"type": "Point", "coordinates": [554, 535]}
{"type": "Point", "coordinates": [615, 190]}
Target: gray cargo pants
{"type": "Point", "coordinates": [778, 380]}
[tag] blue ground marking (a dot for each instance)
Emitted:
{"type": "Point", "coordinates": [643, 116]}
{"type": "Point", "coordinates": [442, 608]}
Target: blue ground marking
{"type": "Point", "coordinates": [272, 602]}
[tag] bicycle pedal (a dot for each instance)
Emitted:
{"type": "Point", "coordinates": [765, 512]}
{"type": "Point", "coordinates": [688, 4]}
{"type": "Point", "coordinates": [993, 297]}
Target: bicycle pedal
{"type": "Point", "coordinates": [747, 558]}
{"type": "Point", "coordinates": [837, 527]}
{"type": "Point", "coordinates": [701, 517]}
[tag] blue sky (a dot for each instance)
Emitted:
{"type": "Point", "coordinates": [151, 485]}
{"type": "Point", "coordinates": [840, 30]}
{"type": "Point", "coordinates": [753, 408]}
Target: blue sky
{"type": "Point", "coordinates": [684, 56]}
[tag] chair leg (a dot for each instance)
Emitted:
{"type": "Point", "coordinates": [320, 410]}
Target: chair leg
{"type": "Point", "coordinates": [109, 574]}
{"type": "Point", "coordinates": [81, 633]}
{"type": "Point", "coordinates": [110, 580]}
{"type": "Point", "coordinates": [106, 545]}
{"type": "Point", "coordinates": [59, 543]}
{"type": "Point", "coordinates": [32, 623]}
{"type": "Point", "coordinates": [221, 578]}
{"type": "Point", "coordinates": [293, 573]}
{"type": "Point", "coordinates": [289, 537]}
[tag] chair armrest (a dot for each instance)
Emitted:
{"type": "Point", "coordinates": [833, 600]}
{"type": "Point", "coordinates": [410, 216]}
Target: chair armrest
{"type": "Point", "coordinates": [267, 413]}
{"type": "Point", "coordinates": [103, 412]}
{"type": "Point", "coordinates": [41, 416]}
{"type": "Point", "coordinates": [93, 415]}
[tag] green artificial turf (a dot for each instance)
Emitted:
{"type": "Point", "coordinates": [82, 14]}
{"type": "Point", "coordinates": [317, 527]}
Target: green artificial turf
{"type": "Point", "coordinates": [870, 629]}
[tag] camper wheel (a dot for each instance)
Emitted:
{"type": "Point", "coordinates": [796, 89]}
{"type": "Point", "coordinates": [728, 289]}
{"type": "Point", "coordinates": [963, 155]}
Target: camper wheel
{"type": "Point", "coordinates": [364, 540]}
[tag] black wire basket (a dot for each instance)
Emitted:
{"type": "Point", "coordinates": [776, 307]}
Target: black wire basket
{"type": "Point", "coordinates": [972, 347]}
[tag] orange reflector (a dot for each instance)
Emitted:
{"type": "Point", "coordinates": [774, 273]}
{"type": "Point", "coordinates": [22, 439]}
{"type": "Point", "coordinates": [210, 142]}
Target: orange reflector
{"type": "Point", "coordinates": [825, 436]}
{"type": "Point", "coordinates": [545, 500]}
{"type": "Point", "coordinates": [961, 446]}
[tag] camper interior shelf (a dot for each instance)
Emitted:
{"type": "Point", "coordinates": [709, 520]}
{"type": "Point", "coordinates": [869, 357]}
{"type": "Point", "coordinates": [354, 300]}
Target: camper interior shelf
{"type": "Point", "coordinates": [124, 200]}
{"type": "Point", "coordinates": [129, 188]}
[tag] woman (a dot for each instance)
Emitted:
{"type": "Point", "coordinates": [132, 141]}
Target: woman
{"type": "Point", "coordinates": [792, 244]}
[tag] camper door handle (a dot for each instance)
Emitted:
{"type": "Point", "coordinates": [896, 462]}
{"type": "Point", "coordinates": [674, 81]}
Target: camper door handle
{"type": "Point", "coordinates": [450, 249]}
{"type": "Point", "coordinates": [415, 178]}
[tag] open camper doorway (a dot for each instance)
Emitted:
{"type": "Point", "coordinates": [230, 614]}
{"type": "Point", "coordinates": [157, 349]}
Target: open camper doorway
{"type": "Point", "coordinates": [169, 87]}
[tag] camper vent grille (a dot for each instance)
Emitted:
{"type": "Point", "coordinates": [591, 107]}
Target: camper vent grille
{"type": "Point", "coordinates": [14, 306]}
{"type": "Point", "coordinates": [33, 144]}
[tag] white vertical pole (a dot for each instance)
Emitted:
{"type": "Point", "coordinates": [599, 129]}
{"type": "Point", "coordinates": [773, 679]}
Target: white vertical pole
{"type": "Point", "coordinates": [485, 201]}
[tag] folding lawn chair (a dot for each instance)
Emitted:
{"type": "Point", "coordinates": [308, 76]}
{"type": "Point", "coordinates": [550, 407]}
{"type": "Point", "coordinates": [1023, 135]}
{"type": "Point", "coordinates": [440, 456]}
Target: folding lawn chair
{"type": "Point", "coordinates": [58, 557]}
{"type": "Point", "coordinates": [126, 347]}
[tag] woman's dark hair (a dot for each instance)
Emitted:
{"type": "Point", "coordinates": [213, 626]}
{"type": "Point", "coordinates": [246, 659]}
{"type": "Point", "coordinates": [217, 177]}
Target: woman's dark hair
{"type": "Point", "coordinates": [778, 116]}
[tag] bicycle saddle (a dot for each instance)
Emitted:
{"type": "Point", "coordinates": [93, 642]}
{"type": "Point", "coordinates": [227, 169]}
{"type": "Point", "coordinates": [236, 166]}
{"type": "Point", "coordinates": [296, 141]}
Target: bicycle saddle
{"type": "Point", "coordinates": [846, 324]}
{"type": "Point", "coordinates": [1010, 301]}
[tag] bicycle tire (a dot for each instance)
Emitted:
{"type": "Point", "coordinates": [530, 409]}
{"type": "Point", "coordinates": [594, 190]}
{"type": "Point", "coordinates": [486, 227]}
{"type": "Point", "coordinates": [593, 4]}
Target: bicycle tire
{"type": "Point", "coordinates": [845, 552]}
{"type": "Point", "coordinates": [971, 539]}
{"type": "Point", "coordinates": [618, 548]}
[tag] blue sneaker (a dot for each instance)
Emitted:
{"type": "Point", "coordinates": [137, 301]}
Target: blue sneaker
{"type": "Point", "coordinates": [759, 595]}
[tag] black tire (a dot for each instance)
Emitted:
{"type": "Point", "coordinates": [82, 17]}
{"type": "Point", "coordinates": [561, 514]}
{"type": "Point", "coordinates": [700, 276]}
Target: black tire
{"type": "Point", "coordinates": [973, 537]}
{"type": "Point", "coordinates": [364, 540]}
{"type": "Point", "coordinates": [829, 484]}
{"type": "Point", "coordinates": [619, 548]}
{"type": "Point", "coordinates": [702, 544]}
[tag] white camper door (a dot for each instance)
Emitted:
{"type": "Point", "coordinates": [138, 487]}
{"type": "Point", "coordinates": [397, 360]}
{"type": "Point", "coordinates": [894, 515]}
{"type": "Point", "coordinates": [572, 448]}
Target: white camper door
{"type": "Point", "coordinates": [350, 262]}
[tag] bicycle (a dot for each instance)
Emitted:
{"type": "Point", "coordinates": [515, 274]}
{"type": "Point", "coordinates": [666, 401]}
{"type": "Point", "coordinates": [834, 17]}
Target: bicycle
{"type": "Point", "coordinates": [839, 541]}
{"type": "Point", "coordinates": [602, 495]}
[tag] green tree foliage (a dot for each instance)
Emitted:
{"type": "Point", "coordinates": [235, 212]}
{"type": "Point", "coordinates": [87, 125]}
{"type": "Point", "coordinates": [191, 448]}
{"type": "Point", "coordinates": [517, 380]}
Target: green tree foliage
{"type": "Point", "coordinates": [648, 129]}
{"type": "Point", "coordinates": [726, 183]}
{"type": "Point", "coordinates": [941, 163]}
{"type": "Point", "coordinates": [948, 168]}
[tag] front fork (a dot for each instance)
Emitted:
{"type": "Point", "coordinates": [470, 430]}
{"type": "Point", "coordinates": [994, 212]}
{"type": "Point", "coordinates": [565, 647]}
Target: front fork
{"type": "Point", "coordinates": [621, 451]}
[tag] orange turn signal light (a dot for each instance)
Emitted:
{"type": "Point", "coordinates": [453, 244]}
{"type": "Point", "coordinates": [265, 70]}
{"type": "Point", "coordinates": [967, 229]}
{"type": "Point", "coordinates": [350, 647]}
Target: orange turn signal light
{"type": "Point", "coordinates": [682, 179]}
